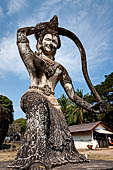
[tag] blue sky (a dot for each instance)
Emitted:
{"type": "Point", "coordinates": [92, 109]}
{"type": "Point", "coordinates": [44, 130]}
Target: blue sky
{"type": "Point", "coordinates": [90, 20]}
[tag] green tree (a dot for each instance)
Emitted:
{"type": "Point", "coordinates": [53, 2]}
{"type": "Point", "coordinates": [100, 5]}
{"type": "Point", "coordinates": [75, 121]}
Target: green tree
{"type": "Point", "coordinates": [19, 125]}
{"type": "Point", "coordinates": [6, 116]}
{"type": "Point", "coordinates": [66, 107]}
{"type": "Point", "coordinates": [7, 103]}
{"type": "Point", "coordinates": [64, 103]}
{"type": "Point", "coordinates": [4, 123]}
{"type": "Point", "coordinates": [22, 124]}
{"type": "Point", "coordinates": [105, 90]}
{"type": "Point", "coordinates": [73, 112]}
{"type": "Point", "coordinates": [80, 109]}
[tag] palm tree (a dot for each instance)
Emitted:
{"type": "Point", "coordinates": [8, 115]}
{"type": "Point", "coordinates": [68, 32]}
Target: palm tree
{"type": "Point", "coordinates": [73, 113]}
{"type": "Point", "coordinates": [80, 109]}
{"type": "Point", "coordinates": [64, 103]}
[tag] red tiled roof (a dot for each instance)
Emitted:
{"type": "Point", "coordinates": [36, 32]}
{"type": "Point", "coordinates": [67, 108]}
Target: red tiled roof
{"type": "Point", "coordinates": [85, 127]}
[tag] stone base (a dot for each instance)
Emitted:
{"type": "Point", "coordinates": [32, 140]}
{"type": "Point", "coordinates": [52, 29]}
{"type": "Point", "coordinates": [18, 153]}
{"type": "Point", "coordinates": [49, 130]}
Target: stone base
{"type": "Point", "coordinates": [37, 166]}
{"type": "Point", "coordinates": [92, 165]}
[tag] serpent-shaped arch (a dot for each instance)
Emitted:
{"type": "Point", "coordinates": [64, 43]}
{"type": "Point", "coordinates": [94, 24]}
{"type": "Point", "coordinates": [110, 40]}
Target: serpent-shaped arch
{"type": "Point", "coordinates": [73, 37]}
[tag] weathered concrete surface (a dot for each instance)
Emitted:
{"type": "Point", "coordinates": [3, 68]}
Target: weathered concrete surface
{"type": "Point", "coordinates": [92, 165]}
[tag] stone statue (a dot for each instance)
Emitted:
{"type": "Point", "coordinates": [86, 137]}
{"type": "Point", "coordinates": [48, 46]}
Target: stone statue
{"type": "Point", "coordinates": [48, 142]}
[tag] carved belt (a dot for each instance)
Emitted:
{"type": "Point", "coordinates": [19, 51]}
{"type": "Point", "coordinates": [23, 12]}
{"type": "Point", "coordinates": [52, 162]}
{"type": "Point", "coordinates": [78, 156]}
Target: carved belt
{"type": "Point", "coordinates": [46, 90]}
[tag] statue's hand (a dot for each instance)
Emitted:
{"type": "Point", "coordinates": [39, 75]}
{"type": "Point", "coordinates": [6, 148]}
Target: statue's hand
{"type": "Point", "coordinates": [27, 30]}
{"type": "Point", "coordinates": [32, 30]}
{"type": "Point", "coordinates": [101, 107]}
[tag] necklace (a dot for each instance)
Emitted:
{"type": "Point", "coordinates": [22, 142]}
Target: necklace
{"type": "Point", "coordinates": [44, 58]}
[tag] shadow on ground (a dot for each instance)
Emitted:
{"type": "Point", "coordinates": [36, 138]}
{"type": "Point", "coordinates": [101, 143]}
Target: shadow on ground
{"type": "Point", "coordinates": [5, 146]}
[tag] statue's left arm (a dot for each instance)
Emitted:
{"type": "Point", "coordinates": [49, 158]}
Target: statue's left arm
{"type": "Point", "coordinates": [66, 83]}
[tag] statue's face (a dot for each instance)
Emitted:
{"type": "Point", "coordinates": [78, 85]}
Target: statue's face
{"type": "Point", "coordinates": [50, 44]}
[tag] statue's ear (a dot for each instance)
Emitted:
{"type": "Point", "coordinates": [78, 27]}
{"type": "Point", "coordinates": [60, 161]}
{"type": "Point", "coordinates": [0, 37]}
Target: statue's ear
{"type": "Point", "coordinates": [38, 45]}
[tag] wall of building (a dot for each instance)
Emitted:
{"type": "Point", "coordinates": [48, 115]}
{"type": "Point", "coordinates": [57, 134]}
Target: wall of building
{"type": "Point", "coordinates": [81, 145]}
{"type": "Point", "coordinates": [81, 140]}
{"type": "Point", "coordinates": [99, 127]}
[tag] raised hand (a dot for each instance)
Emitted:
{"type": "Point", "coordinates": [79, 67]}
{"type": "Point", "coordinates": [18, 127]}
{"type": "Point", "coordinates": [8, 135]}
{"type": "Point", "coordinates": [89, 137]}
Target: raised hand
{"type": "Point", "coordinates": [101, 107]}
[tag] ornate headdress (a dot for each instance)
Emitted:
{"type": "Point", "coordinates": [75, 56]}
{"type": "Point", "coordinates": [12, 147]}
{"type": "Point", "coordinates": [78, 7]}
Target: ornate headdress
{"type": "Point", "coordinates": [48, 28]}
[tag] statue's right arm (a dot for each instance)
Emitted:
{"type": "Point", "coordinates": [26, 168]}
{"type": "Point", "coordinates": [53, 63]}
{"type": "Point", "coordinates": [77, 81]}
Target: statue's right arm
{"type": "Point", "coordinates": [23, 45]}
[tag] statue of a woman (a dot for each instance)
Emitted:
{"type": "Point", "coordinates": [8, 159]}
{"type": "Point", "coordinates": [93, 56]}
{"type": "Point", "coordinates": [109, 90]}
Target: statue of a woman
{"type": "Point", "coordinates": [48, 141]}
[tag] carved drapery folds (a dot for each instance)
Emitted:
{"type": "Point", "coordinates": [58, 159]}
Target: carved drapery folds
{"type": "Point", "coordinates": [47, 140]}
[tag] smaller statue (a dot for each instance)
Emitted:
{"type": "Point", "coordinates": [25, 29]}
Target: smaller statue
{"type": "Point", "coordinates": [48, 141]}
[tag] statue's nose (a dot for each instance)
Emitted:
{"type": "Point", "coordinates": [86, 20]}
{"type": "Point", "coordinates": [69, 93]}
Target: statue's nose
{"type": "Point", "coordinates": [51, 46]}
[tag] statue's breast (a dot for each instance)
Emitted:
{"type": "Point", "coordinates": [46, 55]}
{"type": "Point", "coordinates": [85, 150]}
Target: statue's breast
{"type": "Point", "coordinates": [48, 67]}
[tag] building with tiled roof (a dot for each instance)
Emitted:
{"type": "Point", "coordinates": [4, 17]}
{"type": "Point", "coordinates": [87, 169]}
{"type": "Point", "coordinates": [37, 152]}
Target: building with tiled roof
{"type": "Point", "coordinates": [91, 134]}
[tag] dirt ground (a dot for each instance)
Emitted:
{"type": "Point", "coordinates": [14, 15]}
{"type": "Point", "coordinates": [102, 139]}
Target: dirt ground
{"type": "Point", "coordinates": [6, 156]}
{"type": "Point", "coordinates": [98, 154]}
{"type": "Point", "coordinates": [100, 159]}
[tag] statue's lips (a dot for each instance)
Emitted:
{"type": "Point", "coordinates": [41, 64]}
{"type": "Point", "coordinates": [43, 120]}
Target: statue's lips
{"type": "Point", "coordinates": [50, 48]}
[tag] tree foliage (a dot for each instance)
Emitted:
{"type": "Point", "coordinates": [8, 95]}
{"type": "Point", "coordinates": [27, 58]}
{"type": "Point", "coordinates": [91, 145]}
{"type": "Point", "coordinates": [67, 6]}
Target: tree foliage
{"type": "Point", "coordinates": [6, 116]}
{"type": "Point", "coordinates": [73, 112]}
{"type": "Point", "coordinates": [7, 103]}
{"type": "Point", "coordinates": [19, 125]}
{"type": "Point", "coordinates": [105, 90]}
{"type": "Point", "coordinates": [64, 103]}
{"type": "Point", "coordinates": [4, 123]}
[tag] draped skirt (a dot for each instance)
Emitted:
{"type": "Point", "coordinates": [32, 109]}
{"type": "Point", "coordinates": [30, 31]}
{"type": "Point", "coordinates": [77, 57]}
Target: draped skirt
{"type": "Point", "coordinates": [47, 139]}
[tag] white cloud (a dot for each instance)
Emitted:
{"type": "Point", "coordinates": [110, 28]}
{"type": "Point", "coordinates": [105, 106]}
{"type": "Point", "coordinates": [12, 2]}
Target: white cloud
{"type": "Point", "coordinates": [15, 6]}
{"type": "Point", "coordinates": [47, 10]}
{"type": "Point", "coordinates": [9, 56]}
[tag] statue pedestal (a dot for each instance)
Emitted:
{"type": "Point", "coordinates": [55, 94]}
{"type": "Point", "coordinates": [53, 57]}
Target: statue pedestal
{"type": "Point", "coordinates": [92, 165]}
{"type": "Point", "coordinates": [37, 166]}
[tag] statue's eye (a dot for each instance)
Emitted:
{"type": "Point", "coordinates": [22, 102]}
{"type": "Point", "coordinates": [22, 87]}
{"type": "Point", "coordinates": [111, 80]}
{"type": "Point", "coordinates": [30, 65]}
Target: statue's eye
{"type": "Point", "coordinates": [55, 42]}
{"type": "Point", "coordinates": [48, 39]}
